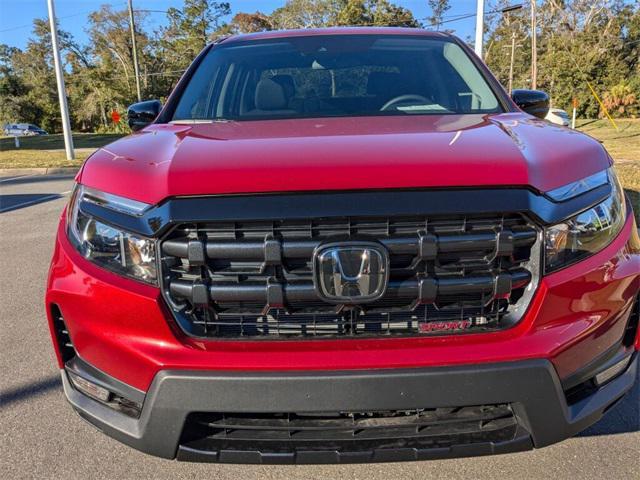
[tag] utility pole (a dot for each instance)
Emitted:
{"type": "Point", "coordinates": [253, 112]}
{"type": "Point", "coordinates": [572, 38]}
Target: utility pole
{"type": "Point", "coordinates": [479, 28]}
{"type": "Point", "coordinates": [534, 48]}
{"type": "Point", "coordinates": [513, 52]}
{"type": "Point", "coordinates": [132, 27]}
{"type": "Point", "coordinates": [62, 93]}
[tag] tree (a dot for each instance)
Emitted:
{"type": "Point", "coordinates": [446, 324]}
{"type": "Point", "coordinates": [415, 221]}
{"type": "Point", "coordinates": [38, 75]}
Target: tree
{"type": "Point", "coordinates": [109, 84]}
{"type": "Point", "coordinates": [12, 87]}
{"type": "Point", "coordinates": [498, 52]}
{"type": "Point", "coordinates": [190, 29]}
{"type": "Point", "coordinates": [325, 13]}
{"type": "Point", "coordinates": [307, 14]}
{"type": "Point", "coordinates": [579, 41]}
{"type": "Point", "coordinates": [39, 100]}
{"type": "Point", "coordinates": [438, 9]}
{"type": "Point", "coordinates": [621, 100]}
{"type": "Point", "coordinates": [250, 23]}
{"type": "Point", "coordinates": [375, 12]}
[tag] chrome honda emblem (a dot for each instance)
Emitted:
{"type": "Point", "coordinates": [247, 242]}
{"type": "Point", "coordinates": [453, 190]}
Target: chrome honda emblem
{"type": "Point", "coordinates": [351, 272]}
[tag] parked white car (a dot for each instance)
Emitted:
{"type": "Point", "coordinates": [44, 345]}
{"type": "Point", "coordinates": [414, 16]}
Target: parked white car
{"type": "Point", "coordinates": [558, 116]}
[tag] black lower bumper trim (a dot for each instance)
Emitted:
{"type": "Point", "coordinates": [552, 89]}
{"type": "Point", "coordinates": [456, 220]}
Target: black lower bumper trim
{"type": "Point", "coordinates": [521, 442]}
{"type": "Point", "coordinates": [337, 436]}
{"type": "Point", "coordinates": [531, 388]}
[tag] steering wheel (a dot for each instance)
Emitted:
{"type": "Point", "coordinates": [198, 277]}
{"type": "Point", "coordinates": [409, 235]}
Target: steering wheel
{"type": "Point", "coordinates": [403, 99]}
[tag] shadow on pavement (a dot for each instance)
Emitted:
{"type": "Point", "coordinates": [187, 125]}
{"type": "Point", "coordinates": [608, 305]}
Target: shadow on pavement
{"type": "Point", "coordinates": [26, 392]}
{"type": "Point", "coordinates": [12, 202]}
{"type": "Point", "coordinates": [22, 179]}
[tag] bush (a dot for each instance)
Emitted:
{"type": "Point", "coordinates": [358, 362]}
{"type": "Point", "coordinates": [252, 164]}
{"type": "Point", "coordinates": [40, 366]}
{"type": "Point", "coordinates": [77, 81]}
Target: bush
{"type": "Point", "coordinates": [622, 100]}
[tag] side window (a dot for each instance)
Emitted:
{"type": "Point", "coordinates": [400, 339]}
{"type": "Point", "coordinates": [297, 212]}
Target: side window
{"type": "Point", "coordinates": [476, 91]}
{"type": "Point", "coordinates": [198, 100]}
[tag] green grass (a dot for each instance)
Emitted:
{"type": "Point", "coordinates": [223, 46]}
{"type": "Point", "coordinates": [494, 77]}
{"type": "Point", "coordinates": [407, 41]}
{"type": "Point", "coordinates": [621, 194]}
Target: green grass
{"type": "Point", "coordinates": [48, 150]}
{"type": "Point", "coordinates": [56, 142]}
{"type": "Point", "coordinates": [623, 144]}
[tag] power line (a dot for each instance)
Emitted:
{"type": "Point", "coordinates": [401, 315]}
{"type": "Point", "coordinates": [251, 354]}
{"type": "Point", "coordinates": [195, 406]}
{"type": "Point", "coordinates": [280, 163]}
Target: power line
{"type": "Point", "coordinates": [449, 19]}
{"type": "Point", "coordinates": [29, 25]}
{"type": "Point", "coordinates": [464, 16]}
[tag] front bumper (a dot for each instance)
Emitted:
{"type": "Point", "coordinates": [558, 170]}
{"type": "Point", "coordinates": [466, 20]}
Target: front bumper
{"type": "Point", "coordinates": [531, 388]}
{"type": "Point", "coordinates": [122, 329]}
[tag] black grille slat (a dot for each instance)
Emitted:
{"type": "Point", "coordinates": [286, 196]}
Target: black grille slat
{"type": "Point", "coordinates": [305, 291]}
{"type": "Point", "coordinates": [356, 421]}
{"type": "Point", "coordinates": [255, 279]}
{"type": "Point", "coordinates": [349, 431]}
{"type": "Point", "coordinates": [254, 250]}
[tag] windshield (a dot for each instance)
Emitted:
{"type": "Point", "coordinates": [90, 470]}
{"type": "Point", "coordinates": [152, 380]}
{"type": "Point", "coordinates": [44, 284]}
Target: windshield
{"type": "Point", "coordinates": [335, 75]}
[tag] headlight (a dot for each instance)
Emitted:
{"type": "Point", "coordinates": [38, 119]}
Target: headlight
{"type": "Point", "coordinates": [588, 232]}
{"type": "Point", "coordinates": [107, 246]}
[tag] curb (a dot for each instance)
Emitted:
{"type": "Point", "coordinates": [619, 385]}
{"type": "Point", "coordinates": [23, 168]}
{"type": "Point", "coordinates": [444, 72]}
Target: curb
{"type": "Point", "coordinates": [15, 172]}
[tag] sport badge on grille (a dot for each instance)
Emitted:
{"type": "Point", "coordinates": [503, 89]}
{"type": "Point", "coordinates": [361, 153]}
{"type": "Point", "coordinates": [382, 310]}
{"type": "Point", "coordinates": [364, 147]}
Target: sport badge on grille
{"type": "Point", "coordinates": [351, 272]}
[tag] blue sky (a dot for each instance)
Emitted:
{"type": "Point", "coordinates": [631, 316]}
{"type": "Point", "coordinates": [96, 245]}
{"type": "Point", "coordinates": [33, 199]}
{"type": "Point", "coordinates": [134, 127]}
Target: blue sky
{"type": "Point", "coordinates": [16, 16]}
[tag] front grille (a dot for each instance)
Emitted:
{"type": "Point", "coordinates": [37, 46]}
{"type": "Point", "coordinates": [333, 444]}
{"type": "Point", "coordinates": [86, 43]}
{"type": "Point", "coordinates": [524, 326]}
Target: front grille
{"type": "Point", "coordinates": [367, 434]}
{"type": "Point", "coordinates": [255, 278]}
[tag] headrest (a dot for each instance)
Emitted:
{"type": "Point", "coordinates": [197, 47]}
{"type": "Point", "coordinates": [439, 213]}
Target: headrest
{"type": "Point", "coordinates": [286, 82]}
{"type": "Point", "coordinates": [270, 95]}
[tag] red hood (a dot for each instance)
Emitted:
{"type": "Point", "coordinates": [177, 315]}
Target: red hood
{"type": "Point", "coordinates": [343, 154]}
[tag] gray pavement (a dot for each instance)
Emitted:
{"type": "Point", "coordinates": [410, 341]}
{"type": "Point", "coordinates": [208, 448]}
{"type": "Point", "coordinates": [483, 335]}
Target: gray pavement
{"type": "Point", "coordinates": [41, 437]}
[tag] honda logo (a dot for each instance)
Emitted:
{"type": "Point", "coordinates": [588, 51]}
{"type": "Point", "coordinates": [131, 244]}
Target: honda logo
{"type": "Point", "coordinates": [351, 272]}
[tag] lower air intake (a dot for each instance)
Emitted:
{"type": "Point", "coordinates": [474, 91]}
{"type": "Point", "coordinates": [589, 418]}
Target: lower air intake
{"type": "Point", "coordinates": [347, 436]}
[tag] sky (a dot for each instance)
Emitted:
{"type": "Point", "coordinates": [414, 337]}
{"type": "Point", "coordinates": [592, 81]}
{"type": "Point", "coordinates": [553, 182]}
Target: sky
{"type": "Point", "coordinates": [16, 16]}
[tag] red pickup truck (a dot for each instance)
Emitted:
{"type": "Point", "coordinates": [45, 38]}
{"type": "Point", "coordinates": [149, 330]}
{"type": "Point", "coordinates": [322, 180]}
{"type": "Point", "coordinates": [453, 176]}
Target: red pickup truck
{"type": "Point", "coordinates": [345, 245]}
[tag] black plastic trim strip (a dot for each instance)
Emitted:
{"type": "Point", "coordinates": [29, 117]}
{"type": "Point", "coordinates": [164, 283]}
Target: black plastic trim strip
{"type": "Point", "coordinates": [83, 369]}
{"type": "Point", "coordinates": [606, 360]}
{"type": "Point", "coordinates": [375, 203]}
{"type": "Point", "coordinates": [520, 443]}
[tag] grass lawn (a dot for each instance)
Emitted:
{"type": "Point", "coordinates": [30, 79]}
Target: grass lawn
{"type": "Point", "coordinates": [624, 147]}
{"type": "Point", "coordinates": [48, 150]}
{"type": "Point", "coordinates": [623, 144]}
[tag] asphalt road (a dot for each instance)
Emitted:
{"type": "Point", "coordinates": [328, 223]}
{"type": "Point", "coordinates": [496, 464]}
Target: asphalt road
{"type": "Point", "coordinates": [41, 437]}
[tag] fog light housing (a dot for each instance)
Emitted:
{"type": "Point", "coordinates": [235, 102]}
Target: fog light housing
{"type": "Point", "coordinates": [89, 388]}
{"type": "Point", "coordinates": [612, 372]}
{"type": "Point", "coordinates": [104, 396]}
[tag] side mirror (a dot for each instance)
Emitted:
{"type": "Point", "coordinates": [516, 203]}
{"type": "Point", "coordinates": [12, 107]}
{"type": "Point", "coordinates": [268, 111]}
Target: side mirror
{"type": "Point", "coordinates": [534, 102]}
{"type": "Point", "coordinates": [142, 114]}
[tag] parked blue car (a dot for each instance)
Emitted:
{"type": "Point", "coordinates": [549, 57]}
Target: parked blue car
{"type": "Point", "coordinates": [23, 129]}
